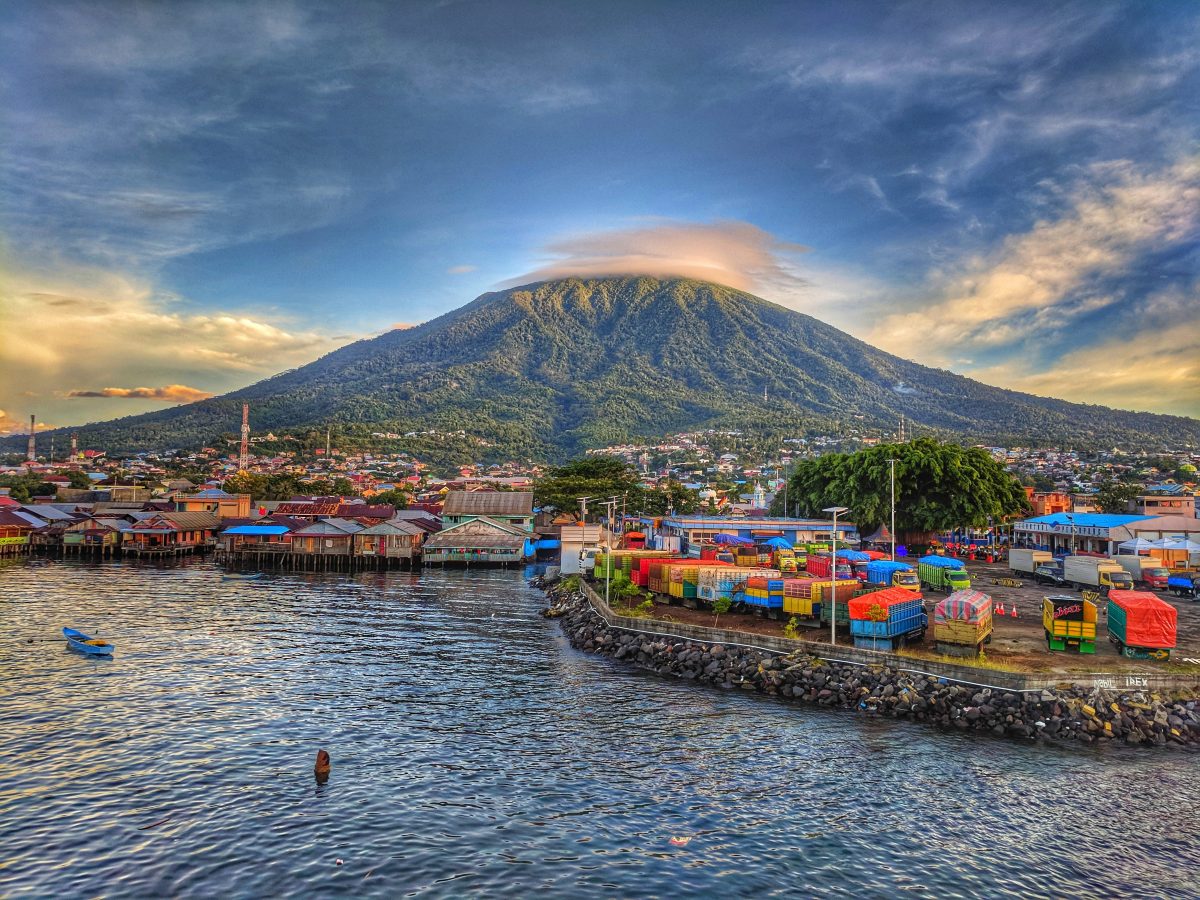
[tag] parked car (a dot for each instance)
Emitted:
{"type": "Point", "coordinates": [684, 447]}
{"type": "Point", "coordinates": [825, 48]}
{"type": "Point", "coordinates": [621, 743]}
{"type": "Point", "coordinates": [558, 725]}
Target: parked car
{"type": "Point", "coordinates": [1049, 573]}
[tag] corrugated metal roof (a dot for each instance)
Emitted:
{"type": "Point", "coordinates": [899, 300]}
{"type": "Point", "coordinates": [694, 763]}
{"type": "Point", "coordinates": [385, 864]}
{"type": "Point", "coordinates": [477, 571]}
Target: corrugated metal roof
{"type": "Point", "coordinates": [257, 529]}
{"type": "Point", "coordinates": [332, 526]}
{"type": "Point", "coordinates": [191, 520]}
{"type": "Point", "coordinates": [1087, 520]}
{"type": "Point", "coordinates": [486, 503]}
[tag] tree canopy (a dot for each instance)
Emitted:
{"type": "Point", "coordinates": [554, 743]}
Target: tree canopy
{"type": "Point", "coordinates": [1114, 497]}
{"type": "Point", "coordinates": [938, 486]}
{"type": "Point", "coordinates": [601, 477]}
{"type": "Point", "coordinates": [598, 477]}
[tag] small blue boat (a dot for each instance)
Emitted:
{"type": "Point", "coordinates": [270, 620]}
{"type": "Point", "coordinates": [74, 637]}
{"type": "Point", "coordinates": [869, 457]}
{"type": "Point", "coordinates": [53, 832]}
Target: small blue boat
{"type": "Point", "coordinates": [77, 640]}
{"type": "Point", "coordinates": [241, 576]}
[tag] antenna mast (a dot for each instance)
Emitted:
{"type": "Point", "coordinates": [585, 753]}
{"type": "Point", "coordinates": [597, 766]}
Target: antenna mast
{"type": "Point", "coordinates": [244, 456]}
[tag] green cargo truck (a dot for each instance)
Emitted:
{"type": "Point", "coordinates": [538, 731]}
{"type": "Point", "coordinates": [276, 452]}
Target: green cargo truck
{"type": "Point", "coordinates": [940, 573]}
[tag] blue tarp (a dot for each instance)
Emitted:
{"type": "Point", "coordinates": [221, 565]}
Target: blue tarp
{"type": "Point", "coordinates": [943, 562]}
{"type": "Point", "coordinates": [778, 542]}
{"type": "Point", "coordinates": [853, 556]}
{"type": "Point", "coordinates": [258, 529]}
{"type": "Point", "coordinates": [732, 539]}
{"type": "Point", "coordinates": [548, 544]}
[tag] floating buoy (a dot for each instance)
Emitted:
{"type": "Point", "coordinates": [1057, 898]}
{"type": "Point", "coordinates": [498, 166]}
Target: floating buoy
{"type": "Point", "coordinates": [680, 841]}
{"type": "Point", "coordinates": [321, 770]}
{"type": "Point", "coordinates": [336, 862]}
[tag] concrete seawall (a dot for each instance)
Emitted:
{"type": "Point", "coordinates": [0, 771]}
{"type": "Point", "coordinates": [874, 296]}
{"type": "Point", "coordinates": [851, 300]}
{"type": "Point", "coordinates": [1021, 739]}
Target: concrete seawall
{"type": "Point", "coordinates": [883, 684]}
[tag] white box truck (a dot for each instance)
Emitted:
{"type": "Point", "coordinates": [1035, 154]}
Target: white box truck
{"type": "Point", "coordinates": [1097, 572]}
{"type": "Point", "coordinates": [1025, 561]}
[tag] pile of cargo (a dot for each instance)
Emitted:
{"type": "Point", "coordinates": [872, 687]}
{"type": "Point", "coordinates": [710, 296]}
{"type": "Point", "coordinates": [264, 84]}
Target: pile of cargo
{"type": "Point", "coordinates": [887, 619]}
{"type": "Point", "coordinates": [610, 562]}
{"type": "Point", "coordinates": [658, 573]}
{"type": "Point", "coordinates": [764, 593]}
{"type": "Point", "coordinates": [724, 581]}
{"type": "Point", "coordinates": [1069, 621]}
{"type": "Point", "coordinates": [943, 573]}
{"type": "Point", "coordinates": [962, 623]}
{"type": "Point", "coordinates": [1140, 624]}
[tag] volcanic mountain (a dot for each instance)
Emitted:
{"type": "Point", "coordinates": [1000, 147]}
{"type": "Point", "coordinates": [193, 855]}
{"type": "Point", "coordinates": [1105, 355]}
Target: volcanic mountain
{"type": "Point", "coordinates": [545, 370]}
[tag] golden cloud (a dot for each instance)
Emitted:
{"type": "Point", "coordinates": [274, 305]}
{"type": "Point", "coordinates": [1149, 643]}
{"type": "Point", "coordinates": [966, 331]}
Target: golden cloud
{"type": "Point", "coordinates": [1043, 279]}
{"type": "Point", "coordinates": [9, 425]}
{"type": "Point", "coordinates": [172, 393]}
{"type": "Point", "coordinates": [96, 326]}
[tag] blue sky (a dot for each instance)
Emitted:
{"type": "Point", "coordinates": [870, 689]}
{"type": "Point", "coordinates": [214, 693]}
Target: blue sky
{"type": "Point", "coordinates": [196, 195]}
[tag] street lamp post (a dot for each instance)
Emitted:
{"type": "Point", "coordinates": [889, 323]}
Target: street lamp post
{"type": "Point", "coordinates": [1071, 519]}
{"type": "Point", "coordinates": [611, 503]}
{"type": "Point", "coordinates": [892, 463]}
{"type": "Point", "coordinates": [833, 579]}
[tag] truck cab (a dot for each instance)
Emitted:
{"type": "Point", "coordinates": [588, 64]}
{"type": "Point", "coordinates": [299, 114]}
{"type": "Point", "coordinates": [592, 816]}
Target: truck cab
{"type": "Point", "coordinates": [908, 580]}
{"type": "Point", "coordinates": [1115, 578]}
{"type": "Point", "coordinates": [1156, 577]}
{"type": "Point", "coordinates": [958, 579]}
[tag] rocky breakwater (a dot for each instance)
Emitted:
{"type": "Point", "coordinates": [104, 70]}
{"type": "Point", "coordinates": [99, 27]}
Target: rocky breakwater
{"type": "Point", "coordinates": [1080, 715]}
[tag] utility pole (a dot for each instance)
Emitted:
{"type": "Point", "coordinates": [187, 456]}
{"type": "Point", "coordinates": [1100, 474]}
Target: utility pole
{"type": "Point", "coordinates": [892, 464]}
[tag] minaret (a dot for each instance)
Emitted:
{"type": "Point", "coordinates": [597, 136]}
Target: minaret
{"type": "Point", "coordinates": [31, 456]}
{"type": "Point", "coordinates": [244, 458]}
{"type": "Point", "coordinates": [74, 447]}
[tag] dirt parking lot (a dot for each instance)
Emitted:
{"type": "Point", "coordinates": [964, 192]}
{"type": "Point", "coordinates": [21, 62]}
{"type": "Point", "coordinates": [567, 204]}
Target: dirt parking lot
{"type": "Point", "coordinates": [1018, 643]}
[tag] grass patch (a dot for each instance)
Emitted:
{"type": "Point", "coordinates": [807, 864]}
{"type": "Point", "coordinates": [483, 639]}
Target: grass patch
{"type": "Point", "coordinates": [979, 662]}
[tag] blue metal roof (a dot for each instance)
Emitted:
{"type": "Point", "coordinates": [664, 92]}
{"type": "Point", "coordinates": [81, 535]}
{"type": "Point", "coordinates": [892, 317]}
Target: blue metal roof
{"type": "Point", "coordinates": [1088, 520]}
{"type": "Point", "coordinates": [258, 529]}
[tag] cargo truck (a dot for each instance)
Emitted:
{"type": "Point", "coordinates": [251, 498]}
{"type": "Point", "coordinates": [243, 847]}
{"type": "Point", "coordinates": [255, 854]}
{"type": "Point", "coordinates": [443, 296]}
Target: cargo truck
{"type": "Point", "coordinates": [1186, 584]}
{"type": "Point", "coordinates": [1026, 561]}
{"type": "Point", "coordinates": [822, 566]}
{"type": "Point", "coordinates": [1147, 570]}
{"type": "Point", "coordinates": [1140, 624]}
{"type": "Point", "coordinates": [943, 573]}
{"type": "Point", "coordinates": [884, 573]}
{"type": "Point", "coordinates": [887, 619]}
{"type": "Point", "coordinates": [1096, 572]}
{"type": "Point", "coordinates": [1069, 622]}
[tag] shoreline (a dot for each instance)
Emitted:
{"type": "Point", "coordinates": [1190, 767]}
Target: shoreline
{"type": "Point", "coordinates": [1076, 714]}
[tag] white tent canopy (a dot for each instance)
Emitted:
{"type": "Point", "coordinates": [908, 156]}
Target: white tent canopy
{"type": "Point", "coordinates": [1137, 545]}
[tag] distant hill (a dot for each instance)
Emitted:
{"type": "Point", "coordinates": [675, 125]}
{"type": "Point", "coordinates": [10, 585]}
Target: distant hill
{"type": "Point", "coordinates": [545, 370]}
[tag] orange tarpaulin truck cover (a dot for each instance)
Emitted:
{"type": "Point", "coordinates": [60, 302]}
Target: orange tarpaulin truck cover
{"type": "Point", "coordinates": [859, 606]}
{"type": "Point", "coordinates": [1149, 621]}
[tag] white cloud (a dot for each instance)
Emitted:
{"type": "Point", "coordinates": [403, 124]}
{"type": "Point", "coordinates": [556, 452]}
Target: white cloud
{"type": "Point", "coordinates": [736, 254]}
{"type": "Point", "coordinates": [86, 330]}
{"type": "Point", "coordinates": [461, 270]}
{"type": "Point", "coordinates": [1041, 281]}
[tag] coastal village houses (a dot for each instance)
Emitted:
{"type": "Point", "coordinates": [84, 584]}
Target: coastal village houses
{"type": "Point", "coordinates": [483, 527]}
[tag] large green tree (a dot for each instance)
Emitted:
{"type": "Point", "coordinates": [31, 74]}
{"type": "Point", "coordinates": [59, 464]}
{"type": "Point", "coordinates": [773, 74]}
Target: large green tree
{"type": "Point", "coordinates": [670, 497]}
{"type": "Point", "coordinates": [938, 486]}
{"type": "Point", "coordinates": [598, 477]}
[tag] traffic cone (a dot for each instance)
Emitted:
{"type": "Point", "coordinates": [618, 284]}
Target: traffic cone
{"type": "Point", "coordinates": [991, 558]}
{"type": "Point", "coordinates": [999, 609]}
{"type": "Point", "coordinates": [1013, 614]}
